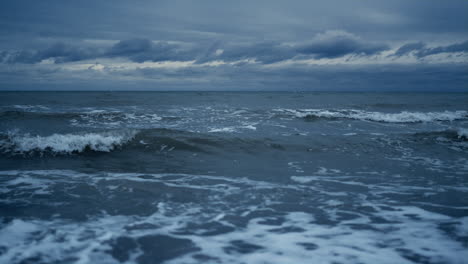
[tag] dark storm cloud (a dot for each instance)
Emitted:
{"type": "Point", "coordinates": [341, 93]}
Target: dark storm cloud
{"type": "Point", "coordinates": [131, 47]}
{"type": "Point", "coordinates": [60, 52]}
{"type": "Point", "coordinates": [243, 20]}
{"type": "Point", "coordinates": [420, 49]}
{"type": "Point", "coordinates": [137, 50]}
{"type": "Point", "coordinates": [141, 50]}
{"type": "Point", "coordinates": [266, 31]}
{"type": "Point", "coordinates": [331, 44]}
{"type": "Point", "coordinates": [337, 44]}
{"type": "Point", "coordinates": [458, 47]}
{"type": "Point", "coordinates": [407, 48]}
{"type": "Point", "coordinates": [326, 45]}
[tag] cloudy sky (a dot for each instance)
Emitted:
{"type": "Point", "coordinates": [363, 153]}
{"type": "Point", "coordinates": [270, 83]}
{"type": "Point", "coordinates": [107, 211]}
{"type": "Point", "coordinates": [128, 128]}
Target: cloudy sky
{"type": "Point", "coordinates": [371, 45]}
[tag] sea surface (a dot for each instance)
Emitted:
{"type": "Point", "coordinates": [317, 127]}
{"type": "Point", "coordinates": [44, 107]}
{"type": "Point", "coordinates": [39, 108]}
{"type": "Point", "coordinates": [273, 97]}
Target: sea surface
{"type": "Point", "coordinates": [218, 177]}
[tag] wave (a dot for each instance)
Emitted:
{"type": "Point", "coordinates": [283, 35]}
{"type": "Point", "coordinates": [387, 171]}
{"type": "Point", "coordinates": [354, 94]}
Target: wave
{"type": "Point", "coordinates": [153, 140]}
{"type": "Point", "coordinates": [97, 115]}
{"type": "Point", "coordinates": [35, 114]}
{"type": "Point", "coordinates": [402, 117]}
{"type": "Point", "coordinates": [455, 134]}
{"type": "Point", "coordinates": [462, 133]}
{"type": "Point", "coordinates": [15, 143]}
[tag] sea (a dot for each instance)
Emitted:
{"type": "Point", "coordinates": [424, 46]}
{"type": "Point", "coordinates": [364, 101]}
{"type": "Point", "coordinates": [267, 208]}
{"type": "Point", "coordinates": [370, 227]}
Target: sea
{"type": "Point", "coordinates": [233, 177]}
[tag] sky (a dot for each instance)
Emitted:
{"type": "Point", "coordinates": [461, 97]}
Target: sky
{"type": "Point", "coordinates": [243, 45]}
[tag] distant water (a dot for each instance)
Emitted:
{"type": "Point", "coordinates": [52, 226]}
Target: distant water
{"type": "Point", "coordinates": [186, 177]}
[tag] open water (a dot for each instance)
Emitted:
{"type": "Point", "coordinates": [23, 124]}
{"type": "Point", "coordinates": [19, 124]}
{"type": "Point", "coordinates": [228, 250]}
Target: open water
{"type": "Point", "coordinates": [217, 177]}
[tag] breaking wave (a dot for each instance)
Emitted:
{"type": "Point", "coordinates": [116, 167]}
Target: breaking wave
{"type": "Point", "coordinates": [462, 133]}
{"type": "Point", "coordinates": [156, 140]}
{"type": "Point", "coordinates": [402, 117]}
{"type": "Point", "coordinates": [16, 143]}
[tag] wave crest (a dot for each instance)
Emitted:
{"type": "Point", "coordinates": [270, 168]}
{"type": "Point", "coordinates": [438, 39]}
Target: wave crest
{"type": "Point", "coordinates": [65, 143]}
{"type": "Point", "coordinates": [402, 117]}
{"type": "Point", "coordinates": [462, 133]}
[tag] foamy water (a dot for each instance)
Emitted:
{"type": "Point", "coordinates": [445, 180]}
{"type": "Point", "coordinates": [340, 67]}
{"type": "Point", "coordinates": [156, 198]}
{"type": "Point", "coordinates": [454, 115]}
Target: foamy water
{"type": "Point", "coordinates": [65, 143]}
{"type": "Point", "coordinates": [401, 117]}
{"type": "Point", "coordinates": [233, 178]}
{"type": "Point", "coordinates": [232, 221]}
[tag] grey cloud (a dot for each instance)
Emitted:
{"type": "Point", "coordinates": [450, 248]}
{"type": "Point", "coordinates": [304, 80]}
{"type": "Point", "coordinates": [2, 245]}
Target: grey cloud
{"type": "Point", "coordinates": [458, 47]}
{"type": "Point", "coordinates": [263, 52]}
{"type": "Point", "coordinates": [265, 30]}
{"type": "Point", "coordinates": [253, 77]}
{"type": "Point", "coordinates": [237, 21]}
{"type": "Point", "coordinates": [327, 45]}
{"type": "Point", "coordinates": [407, 48]}
{"type": "Point", "coordinates": [132, 46]}
{"type": "Point", "coordinates": [330, 44]}
{"type": "Point", "coordinates": [141, 50]}
{"type": "Point", "coordinates": [60, 52]}
{"type": "Point", "coordinates": [137, 50]}
{"type": "Point", "coordinates": [420, 49]}
{"type": "Point", "coordinates": [66, 53]}
{"type": "Point", "coordinates": [334, 44]}
{"type": "Point", "coordinates": [21, 56]}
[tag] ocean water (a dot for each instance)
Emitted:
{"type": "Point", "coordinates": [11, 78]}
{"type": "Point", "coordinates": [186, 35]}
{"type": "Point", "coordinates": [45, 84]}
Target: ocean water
{"type": "Point", "coordinates": [213, 177]}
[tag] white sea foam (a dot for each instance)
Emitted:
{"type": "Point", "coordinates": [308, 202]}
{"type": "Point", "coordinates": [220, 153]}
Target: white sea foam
{"type": "Point", "coordinates": [111, 118]}
{"type": "Point", "coordinates": [462, 133]}
{"type": "Point", "coordinates": [32, 108]}
{"type": "Point", "coordinates": [303, 179]}
{"type": "Point", "coordinates": [57, 240]}
{"type": "Point", "coordinates": [251, 127]}
{"type": "Point", "coordinates": [336, 244]}
{"type": "Point", "coordinates": [402, 235]}
{"type": "Point", "coordinates": [402, 117]}
{"type": "Point", "coordinates": [232, 129]}
{"type": "Point", "coordinates": [66, 143]}
{"type": "Point", "coordinates": [222, 129]}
